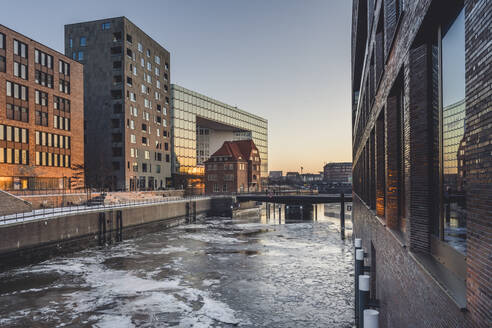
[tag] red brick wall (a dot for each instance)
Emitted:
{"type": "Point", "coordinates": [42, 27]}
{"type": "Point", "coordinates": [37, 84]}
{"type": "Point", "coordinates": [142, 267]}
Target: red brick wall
{"type": "Point", "coordinates": [240, 177]}
{"type": "Point", "coordinates": [76, 112]}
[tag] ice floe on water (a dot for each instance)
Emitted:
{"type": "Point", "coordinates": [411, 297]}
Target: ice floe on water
{"type": "Point", "coordinates": [220, 272]}
{"type": "Point", "coordinates": [212, 239]}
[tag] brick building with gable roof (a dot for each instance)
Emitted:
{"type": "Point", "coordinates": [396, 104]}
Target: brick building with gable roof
{"type": "Point", "coordinates": [234, 167]}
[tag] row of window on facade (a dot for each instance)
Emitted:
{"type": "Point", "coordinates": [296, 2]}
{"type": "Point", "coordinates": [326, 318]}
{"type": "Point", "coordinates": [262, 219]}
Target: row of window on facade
{"type": "Point", "coordinates": [13, 133]}
{"type": "Point", "coordinates": [144, 168]}
{"type": "Point", "coordinates": [225, 177]}
{"type": "Point", "coordinates": [51, 159]}
{"type": "Point", "coordinates": [226, 166]}
{"type": "Point", "coordinates": [19, 91]}
{"type": "Point", "coordinates": [21, 156]}
{"type": "Point", "coordinates": [52, 140]}
{"type": "Point", "coordinates": [217, 188]}
{"type": "Point", "coordinates": [21, 49]}
{"type": "Point", "coordinates": [134, 153]}
{"type": "Point", "coordinates": [145, 127]}
{"type": "Point", "coordinates": [146, 115]}
{"type": "Point", "coordinates": [117, 94]}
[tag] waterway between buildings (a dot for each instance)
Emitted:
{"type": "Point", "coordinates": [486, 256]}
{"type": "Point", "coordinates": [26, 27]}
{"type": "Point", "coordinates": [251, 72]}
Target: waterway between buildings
{"type": "Point", "coordinates": [248, 271]}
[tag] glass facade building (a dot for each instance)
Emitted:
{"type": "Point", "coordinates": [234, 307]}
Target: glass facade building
{"type": "Point", "coordinates": [201, 124]}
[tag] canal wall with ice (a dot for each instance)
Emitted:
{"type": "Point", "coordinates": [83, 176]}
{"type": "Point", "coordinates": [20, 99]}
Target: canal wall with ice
{"type": "Point", "coordinates": [35, 240]}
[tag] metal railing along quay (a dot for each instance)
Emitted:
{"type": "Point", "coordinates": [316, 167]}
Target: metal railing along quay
{"type": "Point", "coordinates": [46, 213]}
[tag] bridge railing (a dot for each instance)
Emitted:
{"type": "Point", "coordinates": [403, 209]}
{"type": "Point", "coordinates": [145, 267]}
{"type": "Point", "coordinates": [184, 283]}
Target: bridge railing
{"type": "Point", "coordinates": [46, 213]}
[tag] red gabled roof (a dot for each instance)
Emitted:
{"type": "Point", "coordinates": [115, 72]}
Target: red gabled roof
{"type": "Point", "coordinates": [237, 150]}
{"type": "Point", "coordinates": [246, 147]}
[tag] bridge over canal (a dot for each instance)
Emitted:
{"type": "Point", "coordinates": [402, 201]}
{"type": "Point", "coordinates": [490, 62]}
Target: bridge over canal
{"type": "Point", "coordinates": [301, 200]}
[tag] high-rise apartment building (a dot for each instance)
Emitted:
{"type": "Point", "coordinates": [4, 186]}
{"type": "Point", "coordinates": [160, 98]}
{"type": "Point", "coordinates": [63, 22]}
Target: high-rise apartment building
{"type": "Point", "coordinates": [41, 116]}
{"type": "Point", "coordinates": [127, 104]}
{"type": "Point", "coordinates": [422, 177]}
{"type": "Point", "coordinates": [200, 127]}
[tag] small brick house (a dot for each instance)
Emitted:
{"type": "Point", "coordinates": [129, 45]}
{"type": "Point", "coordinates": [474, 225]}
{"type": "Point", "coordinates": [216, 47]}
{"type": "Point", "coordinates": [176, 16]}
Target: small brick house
{"type": "Point", "coordinates": [234, 167]}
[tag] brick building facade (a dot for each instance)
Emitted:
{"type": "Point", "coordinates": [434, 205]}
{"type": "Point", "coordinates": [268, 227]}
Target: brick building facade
{"type": "Point", "coordinates": [234, 167]}
{"type": "Point", "coordinates": [41, 116]}
{"type": "Point", "coordinates": [422, 175]}
{"type": "Point", "coordinates": [127, 104]}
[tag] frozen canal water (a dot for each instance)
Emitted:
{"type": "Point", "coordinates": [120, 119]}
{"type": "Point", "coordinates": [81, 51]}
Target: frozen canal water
{"type": "Point", "coordinates": [219, 272]}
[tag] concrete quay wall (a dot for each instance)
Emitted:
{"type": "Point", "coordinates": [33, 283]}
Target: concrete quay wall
{"type": "Point", "coordinates": [35, 240]}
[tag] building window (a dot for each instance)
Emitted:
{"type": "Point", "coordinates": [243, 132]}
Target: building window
{"type": "Point", "coordinates": [106, 26]}
{"type": "Point", "coordinates": [17, 113]}
{"type": "Point", "coordinates": [116, 94]}
{"type": "Point", "coordinates": [63, 68]}
{"type": "Point", "coordinates": [83, 41]}
{"type": "Point", "coordinates": [41, 118]}
{"type": "Point", "coordinates": [80, 55]}
{"type": "Point", "coordinates": [17, 91]}
{"type": "Point", "coordinates": [139, 47]}
{"type": "Point", "coordinates": [20, 49]}
{"type": "Point", "coordinates": [117, 50]}
{"type": "Point", "coordinates": [2, 64]}
{"type": "Point", "coordinates": [61, 104]}
{"type": "Point", "coordinates": [129, 38]}
{"type": "Point", "coordinates": [43, 79]}
{"type": "Point", "coordinates": [452, 225]}
{"type": "Point", "coordinates": [43, 59]}
{"type": "Point", "coordinates": [41, 98]}
{"type": "Point", "coordinates": [148, 52]}
{"type": "Point", "coordinates": [2, 41]}
{"type": "Point", "coordinates": [64, 86]}
{"type": "Point", "coordinates": [20, 70]}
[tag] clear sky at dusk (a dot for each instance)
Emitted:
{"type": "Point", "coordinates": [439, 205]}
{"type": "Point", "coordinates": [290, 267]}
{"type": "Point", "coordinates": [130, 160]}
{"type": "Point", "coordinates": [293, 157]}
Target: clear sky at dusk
{"type": "Point", "coordinates": [285, 60]}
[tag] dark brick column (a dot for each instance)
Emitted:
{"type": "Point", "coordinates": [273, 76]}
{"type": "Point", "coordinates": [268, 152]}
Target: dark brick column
{"type": "Point", "coordinates": [420, 152]}
{"type": "Point", "coordinates": [478, 161]}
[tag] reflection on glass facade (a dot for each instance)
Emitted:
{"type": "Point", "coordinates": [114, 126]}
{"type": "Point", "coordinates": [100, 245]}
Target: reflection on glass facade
{"type": "Point", "coordinates": [195, 117]}
{"type": "Point", "coordinates": [453, 130]}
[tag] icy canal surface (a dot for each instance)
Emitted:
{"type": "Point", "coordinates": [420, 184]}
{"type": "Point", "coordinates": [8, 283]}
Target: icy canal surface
{"type": "Point", "coordinates": [219, 272]}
